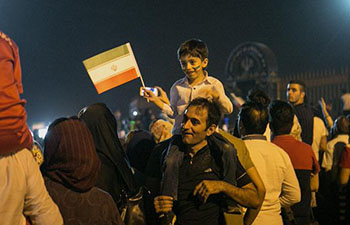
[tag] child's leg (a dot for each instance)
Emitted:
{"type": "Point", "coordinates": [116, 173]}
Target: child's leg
{"type": "Point", "coordinates": [170, 180]}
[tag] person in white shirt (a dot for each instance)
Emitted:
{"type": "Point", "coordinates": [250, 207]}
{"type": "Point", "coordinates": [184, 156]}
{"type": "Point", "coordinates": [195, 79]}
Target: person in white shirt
{"type": "Point", "coordinates": [340, 132]}
{"type": "Point", "coordinates": [193, 57]}
{"type": "Point", "coordinates": [23, 192]}
{"type": "Point", "coordinates": [272, 163]}
{"type": "Point", "coordinates": [320, 136]}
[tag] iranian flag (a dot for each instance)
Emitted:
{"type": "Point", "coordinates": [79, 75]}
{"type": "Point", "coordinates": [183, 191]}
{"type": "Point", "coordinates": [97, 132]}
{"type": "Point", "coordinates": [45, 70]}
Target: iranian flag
{"type": "Point", "coordinates": [112, 68]}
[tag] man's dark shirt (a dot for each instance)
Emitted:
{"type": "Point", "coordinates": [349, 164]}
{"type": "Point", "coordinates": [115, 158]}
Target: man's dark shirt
{"type": "Point", "coordinates": [189, 209]}
{"type": "Point", "coordinates": [305, 117]}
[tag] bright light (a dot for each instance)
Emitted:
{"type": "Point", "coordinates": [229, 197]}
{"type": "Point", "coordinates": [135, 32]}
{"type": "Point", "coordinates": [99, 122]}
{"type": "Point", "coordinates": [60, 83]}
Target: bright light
{"type": "Point", "coordinates": [42, 132]}
{"type": "Point", "coordinates": [134, 113]}
{"type": "Point", "coordinates": [37, 126]}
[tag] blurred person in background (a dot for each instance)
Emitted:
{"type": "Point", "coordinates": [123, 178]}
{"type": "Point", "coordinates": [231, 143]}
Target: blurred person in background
{"type": "Point", "coordinates": [115, 176]}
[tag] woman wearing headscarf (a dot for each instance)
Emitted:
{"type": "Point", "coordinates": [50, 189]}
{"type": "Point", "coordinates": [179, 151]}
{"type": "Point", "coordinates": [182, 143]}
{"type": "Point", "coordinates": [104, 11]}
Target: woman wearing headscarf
{"type": "Point", "coordinates": [115, 175]}
{"type": "Point", "coordinates": [70, 171]}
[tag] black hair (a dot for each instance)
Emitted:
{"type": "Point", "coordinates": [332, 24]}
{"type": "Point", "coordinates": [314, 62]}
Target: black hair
{"type": "Point", "coordinates": [301, 84]}
{"type": "Point", "coordinates": [259, 96]}
{"type": "Point", "coordinates": [193, 47]}
{"type": "Point", "coordinates": [254, 117]}
{"type": "Point", "coordinates": [213, 109]}
{"type": "Point", "coordinates": [342, 125]}
{"type": "Point", "coordinates": [281, 117]}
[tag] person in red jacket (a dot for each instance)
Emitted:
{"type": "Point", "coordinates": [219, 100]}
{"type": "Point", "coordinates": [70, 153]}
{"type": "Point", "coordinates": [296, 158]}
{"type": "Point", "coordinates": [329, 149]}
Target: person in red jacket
{"type": "Point", "coordinates": [23, 193]}
{"type": "Point", "coordinates": [14, 132]}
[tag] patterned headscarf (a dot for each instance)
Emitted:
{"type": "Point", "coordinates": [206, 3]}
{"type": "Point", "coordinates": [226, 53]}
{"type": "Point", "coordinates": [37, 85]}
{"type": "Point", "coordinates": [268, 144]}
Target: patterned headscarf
{"type": "Point", "coordinates": [70, 156]}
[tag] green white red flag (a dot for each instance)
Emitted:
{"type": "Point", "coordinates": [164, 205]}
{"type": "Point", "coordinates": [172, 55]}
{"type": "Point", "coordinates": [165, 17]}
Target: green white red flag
{"type": "Point", "coordinates": [112, 68]}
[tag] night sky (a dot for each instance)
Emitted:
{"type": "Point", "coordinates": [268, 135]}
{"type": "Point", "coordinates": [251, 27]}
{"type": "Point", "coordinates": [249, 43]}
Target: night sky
{"type": "Point", "coordinates": [54, 38]}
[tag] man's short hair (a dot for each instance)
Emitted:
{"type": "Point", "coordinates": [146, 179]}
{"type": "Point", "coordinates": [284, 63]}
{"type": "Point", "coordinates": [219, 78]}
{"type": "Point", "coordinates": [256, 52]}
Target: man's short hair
{"type": "Point", "coordinates": [254, 117]}
{"type": "Point", "coordinates": [259, 96]}
{"type": "Point", "coordinates": [301, 84]}
{"type": "Point", "coordinates": [193, 47]}
{"type": "Point", "coordinates": [214, 113]}
{"type": "Point", "coordinates": [281, 117]}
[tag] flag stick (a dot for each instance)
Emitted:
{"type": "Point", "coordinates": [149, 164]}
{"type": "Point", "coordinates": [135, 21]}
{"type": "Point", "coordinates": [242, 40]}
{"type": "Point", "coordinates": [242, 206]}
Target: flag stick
{"type": "Point", "coordinates": [143, 84]}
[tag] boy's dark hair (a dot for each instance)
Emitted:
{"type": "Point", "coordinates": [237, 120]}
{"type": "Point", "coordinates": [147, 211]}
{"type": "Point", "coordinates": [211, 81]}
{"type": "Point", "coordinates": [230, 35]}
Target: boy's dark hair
{"type": "Point", "coordinates": [214, 113]}
{"type": "Point", "coordinates": [193, 47]}
{"type": "Point", "coordinates": [254, 117]}
{"type": "Point", "coordinates": [281, 117]}
{"type": "Point", "coordinates": [258, 96]}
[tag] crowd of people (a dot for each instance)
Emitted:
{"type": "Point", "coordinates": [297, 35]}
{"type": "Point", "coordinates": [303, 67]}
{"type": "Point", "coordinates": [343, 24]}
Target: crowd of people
{"type": "Point", "coordinates": [282, 162]}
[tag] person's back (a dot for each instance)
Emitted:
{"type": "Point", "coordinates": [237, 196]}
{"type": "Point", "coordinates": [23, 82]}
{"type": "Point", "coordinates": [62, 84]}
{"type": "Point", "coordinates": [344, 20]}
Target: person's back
{"type": "Point", "coordinates": [272, 163]}
{"type": "Point", "coordinates": [70, 169]}
{"type": "Point", "coordinates": [115, 175]}
{"type": "Point", "coordinates": [304, 162]}
{"type": "Point", "coordinates": [23, 192]}
{"type": "Point", "coordinates": [22, 189]}
{"type": "Point", "coordinates": [86, 208]}
{"type": "Point", "coordinates": [14, 132]}
{"type": "Point", "coordinates": [301, 154]}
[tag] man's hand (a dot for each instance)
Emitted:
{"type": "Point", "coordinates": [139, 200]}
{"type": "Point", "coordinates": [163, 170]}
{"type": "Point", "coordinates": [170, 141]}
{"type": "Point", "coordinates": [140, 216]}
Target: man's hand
{"type": "Point", "coordinates": [163, 203]}
{"type": "Point", "coordinates": [207, 187]}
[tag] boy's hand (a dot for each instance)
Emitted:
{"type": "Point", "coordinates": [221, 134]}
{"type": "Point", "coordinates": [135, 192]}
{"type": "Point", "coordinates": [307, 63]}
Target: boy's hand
{"type": "Point", "coordinates": [214, 93]}
{"type": "Point", "coordinates": [151, 97]}
{"type": "Point", "coordinates": [210, 93]}
{"type": "Point", "coordinates": [162, 95]}
{"type": "Point", "coordinates": [163, 203]}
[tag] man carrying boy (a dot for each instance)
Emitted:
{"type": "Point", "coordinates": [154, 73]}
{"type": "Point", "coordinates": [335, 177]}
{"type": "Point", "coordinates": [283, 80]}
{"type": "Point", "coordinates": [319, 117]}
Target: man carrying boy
{"type": "Point", "coordinates": [193, 57]}
{"type": "Point", "coordinates": [209, 173]}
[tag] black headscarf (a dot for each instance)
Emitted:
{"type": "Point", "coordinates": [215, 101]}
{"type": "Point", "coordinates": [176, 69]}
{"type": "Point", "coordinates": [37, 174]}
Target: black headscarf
{"type": "Point", "coordinates": [115, 174]}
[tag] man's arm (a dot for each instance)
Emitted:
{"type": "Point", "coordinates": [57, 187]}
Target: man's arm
{"type": "Point", "coordinates": [246, 196]}
{"type": "Point", "coordinates": [290, 187]}
{"type": "Point", "coordinates": [251, 213]}
{"type": "Point", "coordinates": [325, 113]}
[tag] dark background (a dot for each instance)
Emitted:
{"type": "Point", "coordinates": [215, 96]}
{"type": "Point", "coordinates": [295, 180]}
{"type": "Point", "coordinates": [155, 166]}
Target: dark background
{"type": "Point", "coordinates": [55, 36]}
